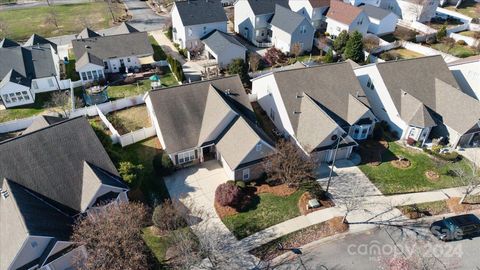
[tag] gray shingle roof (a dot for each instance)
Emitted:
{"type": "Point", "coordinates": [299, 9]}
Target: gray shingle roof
{"type": "Point", "coordinates": [5, 43]}
{"type": "Point", "coordinates": [375, 12]}
{"type": "Point", "coordinates": [286, 19]}
{"type": "Point", "coordinates": [50, 161]}
{"type": "Point", "coordinates": [36, 39]}
{"type": "Point", "coordinates": [180, 110]}
{"type": "Point", "coordinates": [221, 42]}
{"type": "Point", "coordinates": [260, 7]}
{"type": "Point", "coordinates": [87, 58]}
{"type": "Point", "coordinates": [30, 62]}
{"type": "Point", "coordinates": [415, 112]}
{"type": "Point", "coordinates": [42, 121]}
{"type": "Point", "coordinates": [124, 28]}
{"type": "Point", "coordinates": [195, 12]}
{"type": "Point", "coordinates": [87, 33]}
{"type": "Point", "coordinates": [105, 47]}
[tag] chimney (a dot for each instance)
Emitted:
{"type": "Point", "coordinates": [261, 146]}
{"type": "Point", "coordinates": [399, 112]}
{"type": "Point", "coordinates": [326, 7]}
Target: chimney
{"type": "Point", "coordinates": [299, 95]}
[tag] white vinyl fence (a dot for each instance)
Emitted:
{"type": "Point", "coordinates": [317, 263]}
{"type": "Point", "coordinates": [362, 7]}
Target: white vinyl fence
{"type": "Point", "coordinates": [137, 136]}
{"type": "Point", "coordinates": [427, 51]}
{"type": "Point", "coordinates": [469, 40]}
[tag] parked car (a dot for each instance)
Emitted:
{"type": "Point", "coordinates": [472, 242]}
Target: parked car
{"type": "Point", "coordinates": [456, 228]}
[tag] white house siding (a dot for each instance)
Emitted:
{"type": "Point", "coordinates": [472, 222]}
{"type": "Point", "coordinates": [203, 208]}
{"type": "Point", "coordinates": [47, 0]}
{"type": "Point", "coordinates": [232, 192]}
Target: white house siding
{"type": "Point", "coordinates": [379, 98]}
{"type": "Point", "coordinates": [244, 20]}
{"type": "Point", "coordinates": [414, 12]}
{"type": "Point", "coordinates": [327, 155]}
{"type": "Point", "coordinates": [114, 64]}
{"type": "Point", "coordinates": [32, 248]}
{"type": "Point", "coordinates": [334, 28]}
{"type": "Point", "coordinates": [382, 27]}
{"type": "Point", "coordinates": [468, 77]}
{"type": "Point", "coordinates": [313, 15]}
{"type": "Point", "coordinates": [360, 24]}
{"type": "Point", "coordinates": [46, 84]}
{"type": "Point", "coordinates": [16, 95]}
{"type": "Point", "coordinates": [228, 171]}
{"type": "Point", "coordinates": [153, 119]}
{"type": "Point", "coordinates": [269, 98]}
{"type": "Point", "coordinates": [284, 41]}
{"type": "Point", "coordinates": [224, 59]}
{"type": "Point", "coordinates": [91, 72]}
{"type": "Point", "coordinates": [281, 39]}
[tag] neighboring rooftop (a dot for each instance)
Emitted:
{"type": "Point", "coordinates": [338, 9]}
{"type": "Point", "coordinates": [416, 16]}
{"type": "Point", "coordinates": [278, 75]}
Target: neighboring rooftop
{"type": "Point", "coordinates": [87, 33]}
{"type": "Point", "coordinates": [319, 3]}
{"type": "Point", "coordinates": [343, 12]}
{"type": "Point", "coordinates": [286, 19]}
{"type": "Point", "coordinates": [260, 7]}
{"type": "Point", "coordinates": [35, 40]}
{"type": "Point", "coordinates": [220, 42]}
{"type": "Point", "coordinates": [194, 12]}
{"type": "Point", "coordinates": [42, 121]}
{"type": "Point", "coordinates": [123, 28]}
{"type": "Point", "coordinates": [375, 12]}
{"type": "Point", "coordinates": [5, 43]}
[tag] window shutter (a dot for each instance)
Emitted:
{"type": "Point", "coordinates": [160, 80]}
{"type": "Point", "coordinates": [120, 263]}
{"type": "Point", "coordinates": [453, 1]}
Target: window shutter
{"type": "Point", "coordinates": [176, 159]}
{"type": "Point", "coordinates": [196, 153]}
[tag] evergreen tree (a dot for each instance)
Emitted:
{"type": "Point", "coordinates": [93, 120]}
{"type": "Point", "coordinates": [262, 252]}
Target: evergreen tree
{"type": "Point", "coordinates": [329, 56]}
{"type": "Point", "coordinates": [442, 33]}
{"type": "Point", "coordinates": [340, 42]}
{"type": "Point", "coordinates": [354, 48]}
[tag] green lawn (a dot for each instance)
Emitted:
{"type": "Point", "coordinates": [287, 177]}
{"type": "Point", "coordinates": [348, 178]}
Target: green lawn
{"type": "Point", "coordinates": [27, 110]}
{"type": "Point", "coordinates": [457, 50]}
{"type": "Point", "coordinates": [269, 211]}
{"type": "Point", "coordinates": [391, 180]}
{"type": "Point", "coordinates": [158, 245]}
{"type": "Point", "coordinates": [469, 33]}
{"type": "Point", "coordinates": [468, 8]}
{"type": "Point", "coordinates": [71, 19]}
{"type": "Point", "coordinates": [121, 91]}
{"type": "Point", "coordinates": [400, 53]}
{"type": "Point", "coordinates": [158, 53]}
{"type": "Point", "coordinates": [70, 71]}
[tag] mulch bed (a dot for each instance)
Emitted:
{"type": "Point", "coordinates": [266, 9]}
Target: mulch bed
{"type": "Point", "coordinates": [303, 202]}
{"type": "Point", "coordinates": [401, 163]}
{"type": "Point", "coordinates": [432, 176]}
{"type": "Point", "coordinates": [224, 211]}
{"type": "Point", "coordinates": [451, 206]}
{"type": "Point", "coordinates": [299, 238]}
{"type": "Point", "coordinates": [371, 152]}
{"type": "Point", "coordinates": [454, 206]}
{"type": "Point", "coordinates": [279, 190]}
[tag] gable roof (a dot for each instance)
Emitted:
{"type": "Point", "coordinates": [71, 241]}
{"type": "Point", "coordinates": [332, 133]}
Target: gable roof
{"type": "Point", "coordinates": [25, 213]}
{"type": "Point", "coordinates": [14, 77]}
{"type": "Point", "coordinates": [88, 58]}
{"type": "Point", "coordinates": [50, 161]}
{"type": "Point", "coordinates": [193, 12]}
{"type": "Point", "coordinates": [375, 12]}
{"type": "Point", "coordinates": [319, 3]}
{"type": "Point", "coordinates": [415, 112]}
{"type": "Point", "coordinates": [5, 43]}
{"type": "Point", "coordinates": [87, 33]}
{"type": "Point", "coordinates": [124, 28]}
{"type": "Point", "coordinates": [105, 47]}
{"type": "Point", "coordinates": [286, 19]}
{"type": "Point", "coordinates": [260, 7]}
{"type": "Point", "coordinates": [42, 121]}
{"type": "Point", "coordinates": [36, 40]}
{"type": "Point", "coordinates": [220, 42]}
{"type": "Point", "coordinates": [343, 12]}
{"type": "Point", "coordinates": [181, 110]}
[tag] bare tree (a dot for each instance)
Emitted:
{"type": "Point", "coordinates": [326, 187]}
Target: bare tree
{"type": "Point", "coordinates": [449, 42]}
{"type": "Point", "coordinates": [61, 103]}
{"type": "Point", "coordinates": [289, 164]}
{"type": "Point", "coordinates": [254, 60]}
{"type": "Point", "coordinates": [3, 29]}
{"type": "Point", "coordinates": [296, 49]}
{"type": "Point", "coordinates": [353, 201]}
{"type": "Point", "coordinates": [51, 17]}
{"type": "Point", "coordinates": [111, 8]}
{"type": "Point", "coordinates": [112, 237]}
{"type": "Point", "coordinates": [468, 178]}
{"type": "Point", "coordinates": [370, 43]}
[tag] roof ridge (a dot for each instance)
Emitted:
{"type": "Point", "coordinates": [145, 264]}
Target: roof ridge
{"type": "Point", "coordinates": [323, 111]}
{"type": "Point", "coordinates": [408, 59]}
{"type": "Point", "coordinates": [16, 207]}
{"type": "Point", "coordinates": [192, 83]}
{"type": "Point", "coordinates": [41, 129]}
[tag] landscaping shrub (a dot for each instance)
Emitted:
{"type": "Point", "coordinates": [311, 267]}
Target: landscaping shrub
{"type": "Point", "coordinates": [450, 156]}
{"type": "Point", "coordinates": [229, 195]}
{"type": "Point", "coordinates": [167, 218]}
{"type": "Point", "coordinates": [274, 56]}
{"type": "Point", "coordinates": [169, 33]}
{"type": "Point", "coordinates": [162, 164]}
{"type": "Point", "coordinates": [442, 33]}
{"type": "Point", "coordinates": [377, 133]}
{"type": "Point", "coordinates": [176, 68]}
{"type": "Point", "coordinates": [130, 173]}
{"type": "Point", "coordinates": [411, 141]}
{"type": "Point", "coordinates": [461, 42]}
{"type": "Point", "coordinates": [354, 48]}
{"type": "Point", "coordinates": [340, 42]}
{"type": "Point", "coordinates": [240, 184]}
{"type": "Point", "coordinates": [129, 80]}
{"type": "Point", "coordinates": [238, 66]}
{"type": "Point", "coordinates": [231, 182]}
{"type": "Point", "coordinates": [329, 56]}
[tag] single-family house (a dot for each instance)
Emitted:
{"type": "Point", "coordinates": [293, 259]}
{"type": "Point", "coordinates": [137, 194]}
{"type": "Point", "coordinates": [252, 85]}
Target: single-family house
{"type": "Point", "coordinates": [345, 17]}
{"type": "Point", "coordinates": [194, 19]}
{"type": "Point", "coordinates": [291, 29]}
{"type": "Point", "coordinates": [210, 120]}
{"type": "Point", "coordinates": [224, 48]}
{"type": "Point", "coordinates": [382, 21]}
{"type": "Point", "coordinates": [49, 175]}
{"type": "Point", "coordinates": [467, 73]}
{"type": "Point", "coordinates": [420, 99]}
{"type": "Point", "coordinates": [365, 2]}
{"type": "Point", "coordinates": [98, 55]}
{"type": "Point", "coordinates": [28, 69]}
{"type": "Point", "coordinates": [412, 10]}
{"type": "Point", "coordinates": [313, 10]}
{"type": "Point", "coordinates": [320, 108]}
{"type": "Point", "coordinates": [253, 17]}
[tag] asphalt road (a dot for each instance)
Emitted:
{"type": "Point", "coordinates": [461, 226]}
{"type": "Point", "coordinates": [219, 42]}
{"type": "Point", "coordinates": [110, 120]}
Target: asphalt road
{"type": "Point", "coordinates": [143, 17]}
{"type": "Point", "coordinates": [371, 250]}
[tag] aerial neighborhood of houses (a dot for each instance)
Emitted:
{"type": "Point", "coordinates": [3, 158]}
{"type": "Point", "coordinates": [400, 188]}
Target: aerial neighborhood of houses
{"type": "Point", "coordinates": [231, 134]}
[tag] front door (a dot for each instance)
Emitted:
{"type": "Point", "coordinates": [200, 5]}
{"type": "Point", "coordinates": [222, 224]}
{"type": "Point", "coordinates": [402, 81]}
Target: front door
{"type": "Point", "coordinates": [208, 153]}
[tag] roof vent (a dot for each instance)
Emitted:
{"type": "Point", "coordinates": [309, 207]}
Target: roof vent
{"type": "Point", "coordinates": [299, 95]}
{"type": "Point", "coordinates": [87, 47]}
{"type": "Point", "coordinates": [357, 94]}
{"type": "Point", "coordinates": [296, 112]}
{"type": "Point", "coordinates": [228, 92]}
{"type": "Point", "coordinates": [4, 194]}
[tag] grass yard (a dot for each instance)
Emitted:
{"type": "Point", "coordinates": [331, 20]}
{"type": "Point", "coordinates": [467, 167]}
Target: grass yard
{"type": "Point", "coordinates": [401, 33]}
{"type": "Point", "coordinates": [469, 8]}
{"type": "Point", "coordinates": [469, 33]}
{"type": "Point", "coordinates": [458, 50]}
{"type": "Point", "coordinates": [28, 110]}
{"type": "Point", "coordinates": [399, 53]}
{"type": "Point", "coordinates": [70, 71]}
{"type": "Point", "coordinates": [269, 211]}
{"type": "Point", "coordinates": [158, 53]}
{"type": "Point", "coordinates": [392, 180]}
{"type": "Point", "coordinates": [131, 119]}
{"type": "Point", "coordinates": [121, 91]}
{"type": "Point", "coordinates": [71, 19]}
{"type": "Point", "coordinates": [158, 245]}
{"type": "Point", "coordinates": [428, 209]}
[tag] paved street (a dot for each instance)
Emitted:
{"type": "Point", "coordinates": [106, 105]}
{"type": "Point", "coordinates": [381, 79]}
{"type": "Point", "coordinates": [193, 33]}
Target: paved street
{"type": "Point", "coordinates": [370, 250]}
{"type": "Point", "coordinates": [143, 17]}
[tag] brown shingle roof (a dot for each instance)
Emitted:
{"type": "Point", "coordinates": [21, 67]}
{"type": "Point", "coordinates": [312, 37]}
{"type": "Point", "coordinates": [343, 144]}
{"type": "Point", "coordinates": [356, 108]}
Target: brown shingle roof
{"type": "Point", "coordinates": [319, 3]}
{"type": "Point", "coordinates": [342, 12]}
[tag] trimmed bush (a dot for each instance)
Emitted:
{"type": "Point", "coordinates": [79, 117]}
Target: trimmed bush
{"type": "Point", "coordinates": [377, 132]}
{"type": "Point", "coordinates": [461, 42]}
{"type": "Point", "coordinates": [162, 164]}
{"type": "Point", "coordinates": [231, 182]}
{"type": "Point", "coordinates": [130, 173]}
{"type": "Point", "coordinates": [411, 141]}
{"type": "Point", "coordinates": [240, 184]}
{"type": "Point", "coordinates": [167, 218]}
{"type": "Point", "coordinates": [176, 68]}
{"type": "Point", "coordinates": [229, 195]}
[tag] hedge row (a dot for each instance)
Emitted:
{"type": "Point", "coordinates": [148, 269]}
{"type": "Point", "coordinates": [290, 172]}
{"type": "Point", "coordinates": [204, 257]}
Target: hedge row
{"type": "Point", "coordinates": [176, 67]}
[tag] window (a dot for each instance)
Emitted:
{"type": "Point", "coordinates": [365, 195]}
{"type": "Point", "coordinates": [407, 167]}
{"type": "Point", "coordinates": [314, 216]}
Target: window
{"type": "Point", "coordinates": [95, 76]}
{"type": "Point", "coordinates": [258, 147]}
{"type": "Point", "coordinates": [122, 63]}
{"type": "Point", "coordinates": [338, 28]}
{"type": "Point", "coordinates": [370, 84]}
{"type": "Point", "coordinates": [204, 29]}
{"type": "Point", "coordinates": [303, 29]}
{"type": "Point", "coordinates": [186, 157]}
{"type": "Point", "coordinates": [84, 76]}
{"type": "Point", "coordinates": [190, 32]}
{"type": "Point", "coordinates": [89, 75]}
{"type": "Point", "coordinates": [246, 174]}
{"type": "Point", "coordinates": [50, 82]}
{"type": "Point", "coordinates": [105, 65]}
{"type": "Point", "coordinates": [34, 85]}
{"type": "Point", "coordinates": [272, 114]}
{"type": "Point", "coordinates": [128, 60]}
{"type": "Point", "coordinates": [6, 98]}
{"type": "Point", "coordinates": [100, 74]}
